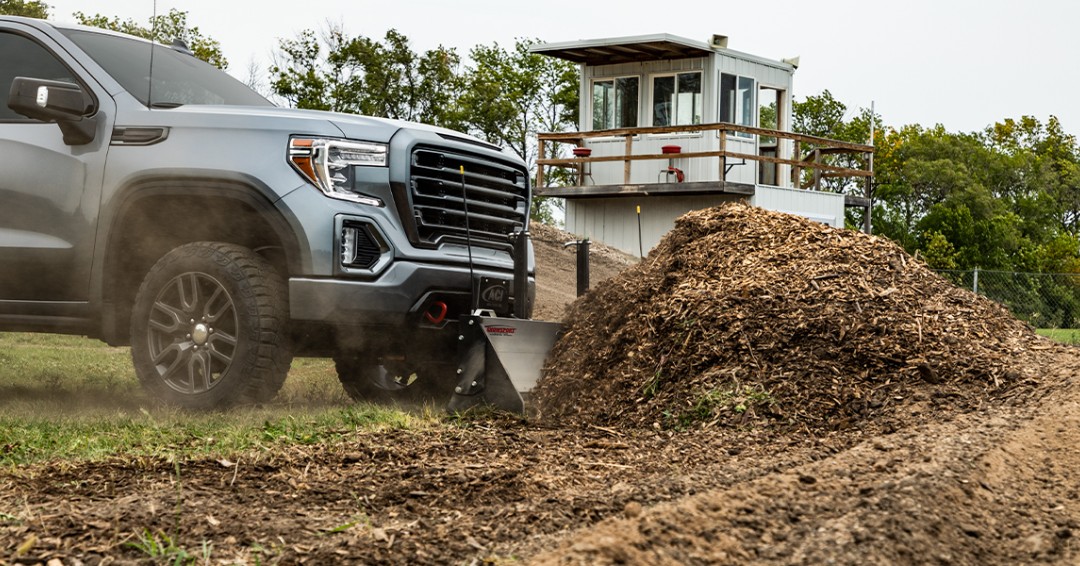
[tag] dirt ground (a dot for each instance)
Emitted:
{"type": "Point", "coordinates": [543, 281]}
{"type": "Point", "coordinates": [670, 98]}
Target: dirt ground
{"type": "Point", "coordinates": [994, 482]}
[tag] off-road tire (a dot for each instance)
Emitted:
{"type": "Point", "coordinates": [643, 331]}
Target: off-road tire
{"type": "Point", "coordinates": [208, 328]}
{"type": "Point", "coordinates": [365, 379]}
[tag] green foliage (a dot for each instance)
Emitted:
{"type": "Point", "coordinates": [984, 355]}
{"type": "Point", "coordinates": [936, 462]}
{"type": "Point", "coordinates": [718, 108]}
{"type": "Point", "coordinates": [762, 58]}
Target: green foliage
{"type": "Point", "coordinates": [511, 95]}
{"type": "Point", "coordinates": [1005, 199]}
{"type": "Point", "coordinates": [27, 8]}
{"type": "Point", "coordinates": [820, 115]}
{"type": "Point", "coordinates": [164, 28]}
{"type": "Point", "coordinates": [359, 75]}
{"type": "Point", "coordinates": [504, 97]}
{"type": "Point", "coordinates": [736, 402]}
{"type": "Point", "coordinates": [940, 253]}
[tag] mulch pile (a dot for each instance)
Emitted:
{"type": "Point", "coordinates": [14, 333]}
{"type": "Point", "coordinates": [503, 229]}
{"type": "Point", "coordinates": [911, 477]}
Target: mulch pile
{"type": "Point", "coordinates": [746, 315]}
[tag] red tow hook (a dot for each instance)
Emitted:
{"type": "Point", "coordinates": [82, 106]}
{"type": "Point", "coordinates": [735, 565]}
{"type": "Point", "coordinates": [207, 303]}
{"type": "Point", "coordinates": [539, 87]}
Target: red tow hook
{"type": "Point", "coordinates": [436, 313]}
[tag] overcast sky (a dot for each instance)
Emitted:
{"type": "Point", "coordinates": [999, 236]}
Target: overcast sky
{"type": "Point", "coordinates": [962, 63]}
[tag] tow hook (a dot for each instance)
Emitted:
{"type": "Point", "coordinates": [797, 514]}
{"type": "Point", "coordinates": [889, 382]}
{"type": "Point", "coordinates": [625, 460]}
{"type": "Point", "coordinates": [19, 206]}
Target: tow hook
{"type": "Point", "coordinates": [436, 313]}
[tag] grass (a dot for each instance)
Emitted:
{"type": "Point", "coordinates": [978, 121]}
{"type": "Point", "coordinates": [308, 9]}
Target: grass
{"type": "Point", "coordinates": [72, 398]}
{"type": "Point", "coordinates": [164, 550]}
{"type": "Point", "coordinates": [1063, 335]}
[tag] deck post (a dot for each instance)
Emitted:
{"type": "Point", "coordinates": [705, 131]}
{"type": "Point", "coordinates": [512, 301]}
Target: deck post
{"type": "Point", "coordinates": [796, 171]}
{"type": "Point", "coordinates": [723, 157]}
{"type": "Point", "coordinates": [817, 170]}
{"type": "Point", "coordinates": [539, 168]}
{"type": "Point", "coordinates": [626, 163]}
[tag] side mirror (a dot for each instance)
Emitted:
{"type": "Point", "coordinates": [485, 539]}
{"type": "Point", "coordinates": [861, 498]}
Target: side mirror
{"type": "Point", "coordinates": [66, 103]}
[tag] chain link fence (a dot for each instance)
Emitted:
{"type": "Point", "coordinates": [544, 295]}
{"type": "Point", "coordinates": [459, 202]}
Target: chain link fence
{"type": "Point", "coordinates": [1045, 300]}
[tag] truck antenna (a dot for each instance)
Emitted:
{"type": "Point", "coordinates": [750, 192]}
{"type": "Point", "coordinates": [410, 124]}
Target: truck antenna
{"type": "Point", "coordinates": [150, 75]}
{"type": "Point", "coordinates": [474, 301]}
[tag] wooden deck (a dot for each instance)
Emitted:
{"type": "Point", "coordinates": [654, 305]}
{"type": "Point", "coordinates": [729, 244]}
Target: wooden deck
{"type": "Point", "coordinates": [649, 189]}
{"type": "Point", "coordinates": [810, 153]}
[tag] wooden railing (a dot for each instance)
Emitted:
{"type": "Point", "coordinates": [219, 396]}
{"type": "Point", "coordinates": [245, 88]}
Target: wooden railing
{"type": "Point", "coordinates": [813, 159]}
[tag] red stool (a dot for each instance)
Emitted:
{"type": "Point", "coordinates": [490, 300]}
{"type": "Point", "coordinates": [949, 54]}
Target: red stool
{"type": "Point", "coordinates": [671, 169]}
{"type": "Point", "coordinates": [584, 170]}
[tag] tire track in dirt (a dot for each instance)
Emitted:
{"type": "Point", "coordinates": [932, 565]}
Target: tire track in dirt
{"type": "Point", "coordinates": [997, 486]}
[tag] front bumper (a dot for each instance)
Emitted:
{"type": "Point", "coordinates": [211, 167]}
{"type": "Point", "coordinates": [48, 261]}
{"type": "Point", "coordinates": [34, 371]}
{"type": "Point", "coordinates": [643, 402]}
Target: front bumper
{"type": "Point", "coordinates": [400, 296]}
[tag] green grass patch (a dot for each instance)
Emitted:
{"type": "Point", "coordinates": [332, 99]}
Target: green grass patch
{"type": "Point", "coordinates": [64, 397]}
{"type": "Point", "coordinates": [1063, 335]}
{"type": "Point", "coordinates": [166, 433]}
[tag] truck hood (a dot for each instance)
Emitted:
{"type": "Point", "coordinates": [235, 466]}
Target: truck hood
{"type": "Point", "coordinates": [316, 122]}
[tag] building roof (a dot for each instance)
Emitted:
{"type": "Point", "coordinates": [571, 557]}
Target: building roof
{"type": "Point", "coordinates": [640, 48]}
{"type": "Point", "coordinates": [625, 49]}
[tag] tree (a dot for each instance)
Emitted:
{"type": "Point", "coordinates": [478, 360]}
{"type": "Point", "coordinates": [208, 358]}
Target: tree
{"type": "Point", "coordinates": [26, 8]}
{"type": "Point", "coordinates": [820, 115]}
{"type": "Point", "coordinates": [1044, 166]}
{"type": "Point", "coordinates": [980, 228]}
{"type": "Point", "coordinates": [504, 97]}
{"type": "Point", "coordinates": [363, 76]}
{"type": "Point", "coordinates": [164, 28]}
{"type": "Point", "coordinates": [512, 95]}
{"type": "Point", "coordinates": [823, 116]}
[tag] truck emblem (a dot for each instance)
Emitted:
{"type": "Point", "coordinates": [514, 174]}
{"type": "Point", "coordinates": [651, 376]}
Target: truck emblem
{"type": "Point", "coordinates": [494, 294]}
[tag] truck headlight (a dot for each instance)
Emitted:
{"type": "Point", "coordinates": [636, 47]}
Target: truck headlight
{"type": "Point", "coordinates": [327, 163]}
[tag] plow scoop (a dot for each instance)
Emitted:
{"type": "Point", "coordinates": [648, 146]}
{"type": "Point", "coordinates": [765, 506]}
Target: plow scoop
{"type": "Point", "coordinates": [499, 361]}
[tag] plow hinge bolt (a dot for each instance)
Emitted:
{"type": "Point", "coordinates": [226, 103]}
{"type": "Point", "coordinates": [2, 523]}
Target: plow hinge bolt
{"type": "Point", "coordinates": [474, 384]}
{"type": "Point", "coordinates": [457, 389]}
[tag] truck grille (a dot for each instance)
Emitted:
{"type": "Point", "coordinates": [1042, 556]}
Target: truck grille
{"type": "Point", "coordinates": [496, 197]}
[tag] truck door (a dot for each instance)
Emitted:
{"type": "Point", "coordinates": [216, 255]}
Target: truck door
{"type": "Point", "coordinates": [50, 192]}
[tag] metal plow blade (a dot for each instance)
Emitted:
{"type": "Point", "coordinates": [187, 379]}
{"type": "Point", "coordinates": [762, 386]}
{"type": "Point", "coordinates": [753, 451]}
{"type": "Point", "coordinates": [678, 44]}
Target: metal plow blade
{"type": "Point", "coordinates": [500, 361]}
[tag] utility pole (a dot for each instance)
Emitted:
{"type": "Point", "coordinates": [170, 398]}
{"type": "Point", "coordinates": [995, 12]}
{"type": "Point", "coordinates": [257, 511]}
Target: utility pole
{"type": "Point", "coordinates": [867, 223]}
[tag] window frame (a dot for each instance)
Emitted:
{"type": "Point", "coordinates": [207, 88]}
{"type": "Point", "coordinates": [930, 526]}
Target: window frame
{"type": "Point", "coordinates": [614, 82]}
{"type": "Point", "coordinates": [739, 108]}
{"type": "Point", "coordinates": [652, 95]}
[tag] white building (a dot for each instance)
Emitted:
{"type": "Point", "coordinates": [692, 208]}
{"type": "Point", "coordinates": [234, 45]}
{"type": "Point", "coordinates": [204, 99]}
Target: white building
{"type": "Point", "coordinates": [670, 125]}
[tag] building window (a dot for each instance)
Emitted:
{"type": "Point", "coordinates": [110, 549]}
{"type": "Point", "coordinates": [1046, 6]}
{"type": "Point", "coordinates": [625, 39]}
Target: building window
{"type": "Point", "coordinates": [737, 101]}
{"type": "Point", "coordinates": [615, 103]}
{"type": "Point", "coordinates": [677, 99]}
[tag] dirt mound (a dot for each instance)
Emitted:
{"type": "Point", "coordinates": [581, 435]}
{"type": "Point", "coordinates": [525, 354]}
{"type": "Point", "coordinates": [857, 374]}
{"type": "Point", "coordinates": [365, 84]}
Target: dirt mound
{"type": "Point", "coordinates": [995, 486]}
{"type": "Point", "coordinates": [556, 269]}
{"type": "Point", "coordinates": [743, 313]}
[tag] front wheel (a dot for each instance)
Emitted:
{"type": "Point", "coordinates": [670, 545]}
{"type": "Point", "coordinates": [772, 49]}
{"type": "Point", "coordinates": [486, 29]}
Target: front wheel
{"type": "Point", "coordinates": [208, 327]}
{"type": "Point", "coordinates": [394, 383]}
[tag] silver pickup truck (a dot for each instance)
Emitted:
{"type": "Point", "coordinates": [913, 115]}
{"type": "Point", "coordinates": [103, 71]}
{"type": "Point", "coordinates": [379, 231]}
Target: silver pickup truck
{"type": "Point", "coordinates": [150, 199]}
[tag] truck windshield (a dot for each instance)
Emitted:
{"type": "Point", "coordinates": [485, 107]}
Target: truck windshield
{"type": "Point", "coordinates": [178, 78]}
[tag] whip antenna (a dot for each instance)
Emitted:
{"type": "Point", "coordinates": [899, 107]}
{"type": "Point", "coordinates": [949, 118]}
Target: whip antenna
{"type": "Point", "coordinates": [150, 79]}
{"type": "Point", "coordinates": [473, 299]}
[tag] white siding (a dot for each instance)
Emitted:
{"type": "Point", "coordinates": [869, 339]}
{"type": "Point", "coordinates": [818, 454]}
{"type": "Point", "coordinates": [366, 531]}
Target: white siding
{"type": "Point", "coordinates": [613, 221]}
{"type": "Point", "coordinates": [815, 205]}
